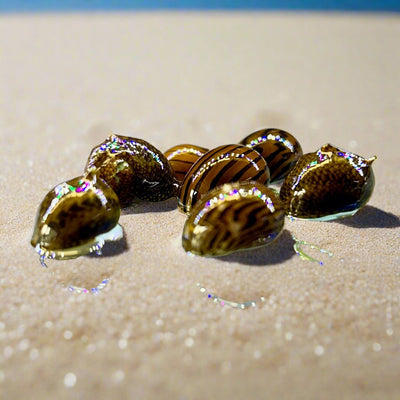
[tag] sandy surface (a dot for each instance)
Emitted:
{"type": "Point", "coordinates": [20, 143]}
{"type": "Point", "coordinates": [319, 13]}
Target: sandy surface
{"type": "Point", "coordinates": [322, 332]}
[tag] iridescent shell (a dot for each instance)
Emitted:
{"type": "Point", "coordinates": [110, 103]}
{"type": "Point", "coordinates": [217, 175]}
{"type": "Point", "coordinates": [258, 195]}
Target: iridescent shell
{"type": "Point", "coordinates": [133, 168]}
{"type": "Point", "coordinates": [280, 149]}
{"type": "Point", "coordinates": [72, 215]}
{"type": "Point", "coordinates": [224, 164]}
{"type": "Point", "coordinates": [182, 157]}
{"type": "Point", "coordinates": [232, 217]}
{"type": "Point", "coordinates": [328, 184]}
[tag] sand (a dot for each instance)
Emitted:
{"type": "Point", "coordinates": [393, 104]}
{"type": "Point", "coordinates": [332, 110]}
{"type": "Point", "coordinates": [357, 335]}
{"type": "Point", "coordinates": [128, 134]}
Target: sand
{"type": "Point", "coordinates": [319, 332]}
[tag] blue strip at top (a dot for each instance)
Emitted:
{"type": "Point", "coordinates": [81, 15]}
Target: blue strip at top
{"type": "Point", "coordinates": [110, 5]}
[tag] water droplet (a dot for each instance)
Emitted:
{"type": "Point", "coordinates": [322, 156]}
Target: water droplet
{"type": "Point", "coordinates": [189, 342]}
{"type": "Point", "coordinates": [68, 335]}
{"type": "Point", "coordinates": [24, 345]}
{"type": "Point", "coordinates": [224, 302]}
{"type": "Point", "coordinates": [119, 375]}
{"type": "Point", "coordinates": [41, 259]}
{"type": "Point", "coordinates": [319, 350]}
{"type": "Point", "coordinates": [288, 336]}
{"type": "Point", "coordinates": [377, 347]}
{"type": "Point", "coordinates": [297, 248]}
{"type": "Point", "coordinates": [95, 290]}
{"type": "Point", "coordinates": [70, 379]}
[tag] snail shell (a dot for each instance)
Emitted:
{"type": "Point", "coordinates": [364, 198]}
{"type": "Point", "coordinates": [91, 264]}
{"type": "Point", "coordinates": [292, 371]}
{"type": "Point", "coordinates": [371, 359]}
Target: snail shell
{"type": "Point", "coordinates": [280, 149]}
{"type": "Point", "coordinates": [133, 168]}
{"type": "Point", "coordinates": [72, 215]}
{"type": "Point", "coordinates": [232, 217]}
{"type": "Point", "coordinates": [328, 184]}
{"type": "Point", "coordinates": [182, 157]}
{"type": "Point", "coordinates": [224, 164]}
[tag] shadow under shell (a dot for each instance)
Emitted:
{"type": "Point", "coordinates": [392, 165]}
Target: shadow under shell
{"type": "Point", "coordinates": [372, 217]}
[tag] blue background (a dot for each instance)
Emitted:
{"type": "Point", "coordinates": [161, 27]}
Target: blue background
{"type": "Point", "coordinates": [71, 5]}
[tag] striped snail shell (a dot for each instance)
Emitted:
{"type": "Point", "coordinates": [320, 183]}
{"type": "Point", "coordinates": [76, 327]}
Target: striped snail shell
{"type": "Point", "coordinates": [234, 216]}
{"type": "Point", "coordinates": [224, 164]}
{"type": "Point", "coordinates": [72, 215]}
{"type": "Point", "coordinates": [328, 184]}
{"type": "Point", "coordinates": [280, 149]}
{"type": "Point", "coordinates": [182, 157]}
{"type": "Point", "coordinates": [133, 168]}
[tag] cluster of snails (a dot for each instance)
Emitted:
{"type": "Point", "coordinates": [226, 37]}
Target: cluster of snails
{"type": "Point", "coordinates": [223, 191]}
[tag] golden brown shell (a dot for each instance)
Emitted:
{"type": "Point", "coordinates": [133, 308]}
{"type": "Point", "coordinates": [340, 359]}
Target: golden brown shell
{"type": "Point", "coordinates": [133, 168]}
{"type": "Point", "coordinates": [328, 184]}
{"type": "Point", "coordinates": [232, 217]}
{"type": "Point", "coordinates": [280, 149]}
{"type": "Point", "coordinates": [224, 164]}
{"type": "Point", "coordinates": [73, 213]}
{"type": "Point", "coordinates": [182, 157]}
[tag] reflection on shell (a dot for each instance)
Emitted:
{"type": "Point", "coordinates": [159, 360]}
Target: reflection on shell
{"type": "Point", "coordinates": [233, 217]}
{"type": "Point", "coordinates": [328, 184]}
{"type": "Point", "coordinates": [182, 157]}
{"type": "Point", "coordinates": [73, 214]}
{"type": "Point", "coordinates": [133, 168]}
{"type": "Point", "coordinates": [280, 149]}
{"type": "Point", "coordinates": [224, 164]}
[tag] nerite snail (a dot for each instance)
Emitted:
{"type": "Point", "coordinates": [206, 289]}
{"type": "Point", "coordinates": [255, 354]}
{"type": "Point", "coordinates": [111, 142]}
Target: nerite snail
{"type": "Point", "coordinates": [224, 192]}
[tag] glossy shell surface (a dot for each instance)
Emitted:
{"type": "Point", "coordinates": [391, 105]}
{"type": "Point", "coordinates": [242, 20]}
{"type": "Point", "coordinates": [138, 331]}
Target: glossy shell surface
{"type": "Point", "coordinates": [182, 157]}
{"type": "Point", "coordinates": [233, 217]}
{"type": "Point", "coordinates": [133, 168]}
{"type": "Point", "coordinates": [224, 164]}
{"type": "Point", "coordinates": [74, 213]}
{"type": "Point", "coordinates": [280, 149]}
{"type": "Point", "coordinates": [328, 184]}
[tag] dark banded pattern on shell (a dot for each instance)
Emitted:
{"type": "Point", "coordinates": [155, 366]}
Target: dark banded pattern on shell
{"type": "Point", "coordinates": [224, 164]}
{"type": "Point", "coordinates": [232, 217]}
{"type": "Point", "coordinates": [182, 157]}
{"type": "Point", "coordinates": [328, 184]}
{"type": "Point", "coordinates": [133, 168]}
{"type": "Point", "coordinates": [280, 149]}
